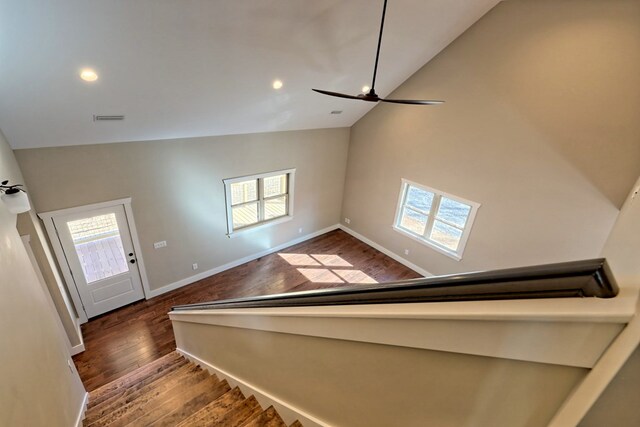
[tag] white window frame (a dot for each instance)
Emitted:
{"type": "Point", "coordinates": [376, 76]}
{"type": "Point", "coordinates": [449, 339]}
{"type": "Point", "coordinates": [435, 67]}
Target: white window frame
{"type": "Point", "coordinates": [291, 173]}
{"type": "Point", "coordinates": [423, 239]}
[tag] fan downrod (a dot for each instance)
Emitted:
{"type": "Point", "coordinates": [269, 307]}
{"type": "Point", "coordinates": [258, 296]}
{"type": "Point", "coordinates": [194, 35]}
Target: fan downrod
{"type": "Point", "coordinates": [372, 96]}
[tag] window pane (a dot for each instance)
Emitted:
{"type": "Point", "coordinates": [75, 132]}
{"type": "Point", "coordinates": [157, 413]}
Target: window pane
{"type": "Point", "coordinates": [245, 191]}
{"type": "Point", "coordinates": [244, 215]}
{"type": "Point", "coordinates": [453, 212]}
{"type": "Point", "coordinates": [446, 235]}
{"type": "Point", "coordinates": [99, 247]}
{"type": "Point", "coordinates": [419, 199]}
{"type": "Point", "coordinates": [413, 221]}
{"type": "Point", "coordinates": [275, 185]}
{"type": "Point", "coordinates": [273, 208]}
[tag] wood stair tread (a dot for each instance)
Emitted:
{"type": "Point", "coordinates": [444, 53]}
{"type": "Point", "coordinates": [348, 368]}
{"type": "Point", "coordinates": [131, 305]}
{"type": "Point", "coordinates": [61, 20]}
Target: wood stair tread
{"type": "Point", "coordinates": [215, 410]}
{"type": "Point", "coordinates": [239, 413]}
{"type": "Point", "coordinates": [266, 418]}
{"type": "Point", "coordinates": [180, 408]}
{"type": "Point", "coordinates": [180, 405]}
{"type": "Point", "coordinates": [153, 395]}
{"type": "Point", "coordinates": [171, 391]}
{"type": "Point", "coordinates": [127, 394]}
{"type": "Point", "coordinates": [158, 365]}
{"type": "Point", "coordinates": [130, 395]}
{"type": "Point", "coordinates": [149, 405]}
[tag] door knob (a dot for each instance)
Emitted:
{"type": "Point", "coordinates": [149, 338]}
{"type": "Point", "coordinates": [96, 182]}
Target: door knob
{"type": "Point", "coordinates": [133, 261]}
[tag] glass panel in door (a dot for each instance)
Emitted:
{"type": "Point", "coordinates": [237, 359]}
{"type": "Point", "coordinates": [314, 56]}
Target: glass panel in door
{"type": "Point", "coordinates": [99, 247]}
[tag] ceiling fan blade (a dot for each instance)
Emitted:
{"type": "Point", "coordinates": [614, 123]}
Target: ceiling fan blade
{"type": "Point", "coordinates": [372, 96]}
{"type": "Point", "coordinates": [339, 95]}
{"type": "Point", "coordinates": [413, 101]}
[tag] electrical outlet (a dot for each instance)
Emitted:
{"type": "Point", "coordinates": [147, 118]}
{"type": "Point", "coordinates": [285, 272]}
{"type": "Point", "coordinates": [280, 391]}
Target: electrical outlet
{"type": "Point", "coordinates": [347, 220]}
{"type": "Point", "coordinates": [406, 251]}
{"type": "Point", "coordinates": [194, 266]}
{"type": "Point", "coordinates": [158, 245]}
{"type": "Point", "coordinates": [300, 230]}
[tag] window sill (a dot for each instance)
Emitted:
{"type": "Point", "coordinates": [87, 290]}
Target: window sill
{"type": "Point", "coordinates": [428, 244]}
{"type": "Point", "coordinates": [258, 226]}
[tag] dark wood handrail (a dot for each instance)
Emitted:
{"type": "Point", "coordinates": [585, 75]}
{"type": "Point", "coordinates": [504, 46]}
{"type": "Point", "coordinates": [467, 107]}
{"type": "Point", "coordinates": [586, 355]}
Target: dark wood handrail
{"type": "Point", "coordinates": [589, 278]}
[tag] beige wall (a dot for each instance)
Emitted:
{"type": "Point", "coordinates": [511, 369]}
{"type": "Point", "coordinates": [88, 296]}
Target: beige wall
{"type": "Point", "coordinates": [347, 383]}
{"type": "Point", "coordinates": [37, 386]}
{"type": "Point", "coordinates": [622, 248]}
{"type": "Point", "coordinates": [29, 224]}
{"type": "Point", "coordinates": [618, 405]}
{"type": "Point", "coordinates": [540, 127]}
{"type": "Point", "coordinates": [178, 195]}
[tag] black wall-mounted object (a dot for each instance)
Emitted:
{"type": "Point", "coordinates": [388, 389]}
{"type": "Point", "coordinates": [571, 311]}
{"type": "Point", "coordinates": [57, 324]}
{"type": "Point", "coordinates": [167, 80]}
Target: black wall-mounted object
{"type": "Point", "coordinates": [10, 189]}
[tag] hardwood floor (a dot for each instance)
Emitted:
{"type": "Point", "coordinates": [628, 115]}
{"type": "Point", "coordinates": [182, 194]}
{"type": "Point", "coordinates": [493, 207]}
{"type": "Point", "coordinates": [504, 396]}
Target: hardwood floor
{"type": "Point", "coordinates": [125, 339]}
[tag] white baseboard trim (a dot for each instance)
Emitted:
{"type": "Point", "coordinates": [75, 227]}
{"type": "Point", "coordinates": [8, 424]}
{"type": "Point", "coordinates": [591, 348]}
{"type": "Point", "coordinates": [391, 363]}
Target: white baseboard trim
{"type": "Point", "coordinates": [232, 264]}
{"type": "Point", "coordinates": [77, 349]}
{"type": "Point", "coordinates": [192, 279]}
{"type": "Point", "coordinates": [83, 410]}
{"type": "Point", "coordinates": [385, 251]}
{"type": "Point", "coordinates": [288, 412]}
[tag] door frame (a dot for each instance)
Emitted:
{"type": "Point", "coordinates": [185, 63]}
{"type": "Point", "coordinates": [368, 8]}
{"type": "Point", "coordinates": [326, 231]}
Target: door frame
{"type": "Point", "coordinates": [48, 220]}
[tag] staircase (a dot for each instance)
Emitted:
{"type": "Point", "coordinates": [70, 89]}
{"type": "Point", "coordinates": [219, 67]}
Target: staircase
{"type": "Point", "coordinates": [171, 391]}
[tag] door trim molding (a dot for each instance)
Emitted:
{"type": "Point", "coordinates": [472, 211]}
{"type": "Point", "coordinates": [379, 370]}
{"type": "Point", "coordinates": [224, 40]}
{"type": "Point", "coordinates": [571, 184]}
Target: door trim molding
{"type": "Point", "coordinates": [64, 267]}
{"type": "Point", "coordinates": [48, 218]}
{"type": "Point", "coordinates": [137, 248]}
{"type": "Point", "coordinates": [67, 211]}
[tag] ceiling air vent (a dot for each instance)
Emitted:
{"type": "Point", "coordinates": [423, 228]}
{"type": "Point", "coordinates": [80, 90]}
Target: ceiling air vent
{"type": "Point", "coordinates": [97, 118]}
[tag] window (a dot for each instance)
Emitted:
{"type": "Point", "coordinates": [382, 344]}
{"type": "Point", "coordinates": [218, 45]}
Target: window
{"type": "Point", "coordinates": [258, 199]}
{"type": "Point", "coordinates": [434, 218]}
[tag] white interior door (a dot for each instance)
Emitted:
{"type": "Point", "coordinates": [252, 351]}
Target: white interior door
{"type": "Point", "coordinates": [98, 248]}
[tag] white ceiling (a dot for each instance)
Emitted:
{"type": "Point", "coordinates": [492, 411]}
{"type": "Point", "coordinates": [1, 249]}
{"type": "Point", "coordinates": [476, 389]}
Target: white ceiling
{"type": "Point", "coordinates": [185, 68]}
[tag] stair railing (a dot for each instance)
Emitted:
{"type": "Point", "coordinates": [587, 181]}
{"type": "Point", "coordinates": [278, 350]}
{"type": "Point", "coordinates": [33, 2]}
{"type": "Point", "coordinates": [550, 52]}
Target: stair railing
{"type": "Point", "coordinates": [588, 278]}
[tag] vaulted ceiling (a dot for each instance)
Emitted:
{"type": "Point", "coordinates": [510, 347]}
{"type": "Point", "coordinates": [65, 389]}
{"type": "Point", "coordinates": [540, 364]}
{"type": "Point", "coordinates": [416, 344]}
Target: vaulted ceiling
{"type": "Point", "coordinates": [185, 68]}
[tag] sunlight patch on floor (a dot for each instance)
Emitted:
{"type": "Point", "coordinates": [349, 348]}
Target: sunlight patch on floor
{"type": "Point", "coordinates": [320, 275]}
{"type": "Point", "coordinates": [299, 259]}
{"type": "Point", "coordinates": [326, 275]}
{"type": "Point", "coordinates": [331, 260]}
{"type": "Point", "coordinates": [355, 276]}
{"type": "Point", "coordinates": [327, 260]}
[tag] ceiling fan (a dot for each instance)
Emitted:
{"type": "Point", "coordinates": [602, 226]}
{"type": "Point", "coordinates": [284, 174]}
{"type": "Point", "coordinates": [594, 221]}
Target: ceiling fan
{"type": "Point", "coordinates": [372, 96]}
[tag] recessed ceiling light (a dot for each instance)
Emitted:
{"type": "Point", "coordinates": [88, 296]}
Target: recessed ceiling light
{"type": "Point", "coordinates": [88, 75]}
{"type": "Point", "coordinates": [277, 84]}
{"type": "Point", "coordinates": [365, 89]}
